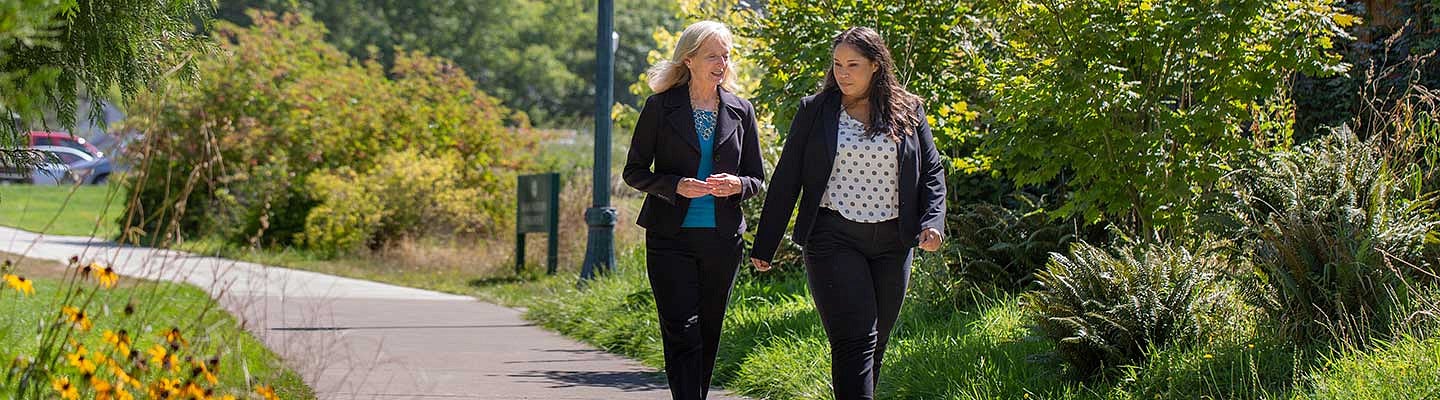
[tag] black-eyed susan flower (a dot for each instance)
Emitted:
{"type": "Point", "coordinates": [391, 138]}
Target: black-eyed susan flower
{"type": "Point", "coordinates": [65, 389]}
{"type": "Point", "coordinates": [199, 370]}
{"type": "Point", "coordinates": [194, 392]}
{"type": "Point", "coordinates": [122, 377]}
{"type": "Point", "coordinates": [107, 277]}
{"type": "Point", "coordinates": [81, 361]}
{"type": "Point", "coordinates": [157, 354]}
{"type": "Point", "coordinates": [120, 341]}
{"type": "Point", "coordinates": [266, 392]}
{"type": "Point", "coordinates": [103, 390]}
{"type": "Point", "coordinates": [165, 388]}
{"type": "Point", "coordinates": [76, 317]}
{"type": "Point", "coordinates": [174, 338]}
{"type": "Point", "coordinates": [20, 284]}
{"type": "Point", "coordinates": [163, 359]}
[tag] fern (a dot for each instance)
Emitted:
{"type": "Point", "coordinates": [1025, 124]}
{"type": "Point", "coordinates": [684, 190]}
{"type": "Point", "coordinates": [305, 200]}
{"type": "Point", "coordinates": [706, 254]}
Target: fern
{"type": "Point", "coordinates": [1104, 310]}
{"type": "Point", "coordinates": [1339, 240]}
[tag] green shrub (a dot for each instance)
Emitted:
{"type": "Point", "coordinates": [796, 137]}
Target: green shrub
{"type": "Point", "coordinates": [1339, 241]}
{"type": "Point", "coordinates": [1138, 105]}
{"type": "Point", "coordinates": [279, 104]}
{"type": "Point", "coordinates": [995, 250]}
{"type": "Point", "coordinates": [404, 195]}
{"type": "Point", "coordinates": [1105, 310]}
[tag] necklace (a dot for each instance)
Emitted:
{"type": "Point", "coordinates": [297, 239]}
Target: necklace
{"type": "Point", "coordinates": [701, 105]}
{"type": "Point", "coordinates": [705, 116]}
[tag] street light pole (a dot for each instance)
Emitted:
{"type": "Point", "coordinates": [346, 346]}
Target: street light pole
{"type": "Point", "coordinates": [600, 248]}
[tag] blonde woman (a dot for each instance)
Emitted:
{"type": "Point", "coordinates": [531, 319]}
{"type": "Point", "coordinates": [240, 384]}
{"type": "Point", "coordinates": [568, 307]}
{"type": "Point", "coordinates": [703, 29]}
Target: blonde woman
{"type": "Point", "coordinates": [696, 155]}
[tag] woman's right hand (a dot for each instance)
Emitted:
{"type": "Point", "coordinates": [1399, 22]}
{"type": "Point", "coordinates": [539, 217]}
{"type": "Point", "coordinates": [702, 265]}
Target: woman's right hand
{"type": "Point", "coordinates": [760, 265]}
{"type": "Point", "coordinates": [692, 188]}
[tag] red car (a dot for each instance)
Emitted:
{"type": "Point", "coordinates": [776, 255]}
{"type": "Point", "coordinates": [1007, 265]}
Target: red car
{"type": "Point", "coordinates": [41, 138]}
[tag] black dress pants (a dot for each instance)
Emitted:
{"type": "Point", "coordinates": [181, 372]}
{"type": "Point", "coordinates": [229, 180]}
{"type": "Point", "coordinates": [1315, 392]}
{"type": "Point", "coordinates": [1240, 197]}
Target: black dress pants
{"type": "Point", "coordinates": [691, 274]}
{"type": "Point", "coordinates": [858, 273]}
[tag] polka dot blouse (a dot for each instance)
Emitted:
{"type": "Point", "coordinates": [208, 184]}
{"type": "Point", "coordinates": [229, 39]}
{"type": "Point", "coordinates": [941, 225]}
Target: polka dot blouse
{"type": "Point", "coordinates": [864, 184]}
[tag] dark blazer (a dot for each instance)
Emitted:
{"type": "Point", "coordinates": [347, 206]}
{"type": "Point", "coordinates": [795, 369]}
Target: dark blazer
{"type": "Point", "coordinates": [804, 170]}
{"type": "Point", "coordinates": [665, 138]}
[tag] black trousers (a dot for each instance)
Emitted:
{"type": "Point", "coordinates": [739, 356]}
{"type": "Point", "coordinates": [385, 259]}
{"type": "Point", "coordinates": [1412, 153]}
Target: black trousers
{"type": "Point", "coordinates": [858, 274]}
{"type": "Point", "coordinates": [691, 274]}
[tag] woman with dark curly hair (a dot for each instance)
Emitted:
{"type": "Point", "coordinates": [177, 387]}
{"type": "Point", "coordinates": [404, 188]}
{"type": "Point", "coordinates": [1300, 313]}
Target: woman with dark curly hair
{"type": "Point", "coordinates": [862, 162]}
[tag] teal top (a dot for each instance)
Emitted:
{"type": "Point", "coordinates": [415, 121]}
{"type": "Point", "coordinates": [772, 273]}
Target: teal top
{"type": "Point", "coordinates": [702, 209]}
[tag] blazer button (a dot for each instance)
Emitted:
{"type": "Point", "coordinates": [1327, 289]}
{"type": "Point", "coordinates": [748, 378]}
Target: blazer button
{"type": "Point", "coordinates": [717, 158]}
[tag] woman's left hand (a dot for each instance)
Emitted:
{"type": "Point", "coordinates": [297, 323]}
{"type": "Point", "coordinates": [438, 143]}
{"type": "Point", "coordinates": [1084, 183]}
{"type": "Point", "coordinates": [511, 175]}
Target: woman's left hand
{"type": "Point", "coordinates": [724, 185]}
{"type": "Point", "coordinates": [930, 239]}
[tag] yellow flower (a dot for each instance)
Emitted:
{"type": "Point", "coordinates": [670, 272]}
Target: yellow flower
{"type": "Point", "coordinates": [1208, 356]}
{"type": "Point", "coordinates": [65, 389]}
{"type": "Point", "coordinates": [200, 369]}
{"type": "Point", "coordinates": [103, 389]}
{"type": "Point", "coordinates": [78, 360]}
{"type": "Point", "coordinates": [20, 284]}
{"type": "Point", "coordinates": [121, 341]}
{"type": "Point", "coordinates": [107, 277]}
{"type": "Point", "coordinates": [76, 317]}
{"type": "Point", "coordinates": [157, 354]}
{"type": "Point", "coordinates": [122, 378]}
{"type": "Point", "coordinates": [121, 394]}
{"type": "Point", "coordinates": [267, 393]}
{"type": "Point", "coordinates": [173, 337]}
{"type": "Point", "coordinates": [195, 392]}
{"type": "Point", "coordinates": [170, 385]}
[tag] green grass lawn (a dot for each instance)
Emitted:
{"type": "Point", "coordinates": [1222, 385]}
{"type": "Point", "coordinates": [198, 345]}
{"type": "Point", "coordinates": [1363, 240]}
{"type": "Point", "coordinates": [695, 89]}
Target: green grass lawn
{"type": "Point", "coordinates": [774, 348]}
{"type": "Point", "coordinates": [75, 211]}
{"type": "Point", "coordinates": [209, 332]}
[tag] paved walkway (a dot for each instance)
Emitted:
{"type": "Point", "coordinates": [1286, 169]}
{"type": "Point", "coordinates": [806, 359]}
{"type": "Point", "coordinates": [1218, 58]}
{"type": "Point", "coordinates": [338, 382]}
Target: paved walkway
{"type": "Point", "coordinates": [355, 339]}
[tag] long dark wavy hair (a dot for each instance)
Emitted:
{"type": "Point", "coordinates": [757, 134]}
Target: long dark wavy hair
{"type": "Point", "coordinates": [892, 108]}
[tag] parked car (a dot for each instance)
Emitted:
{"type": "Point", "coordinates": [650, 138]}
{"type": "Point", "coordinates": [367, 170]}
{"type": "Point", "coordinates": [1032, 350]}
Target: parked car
{"type": "Point", "coordinates": [94, 171]}
{"type": "Point", "coordinates": [73, 165]}
{"type": "Point", "coordinates": [41, 138]}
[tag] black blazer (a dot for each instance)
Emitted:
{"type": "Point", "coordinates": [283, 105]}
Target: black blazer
{"type": "Point", "coordinates": [665, 137]}
{"type": "Point", "coordinates": [804, 171]}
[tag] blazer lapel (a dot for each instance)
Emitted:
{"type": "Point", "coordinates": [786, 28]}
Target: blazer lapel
{"type": "Point", "coordinates": [681, 117]}
{"type": "Point", "coordinates": [907, 147]}
{"type": "Point", "coordinates": [728, 121]}
{"type": "Point", "coordinates": [830, 125]}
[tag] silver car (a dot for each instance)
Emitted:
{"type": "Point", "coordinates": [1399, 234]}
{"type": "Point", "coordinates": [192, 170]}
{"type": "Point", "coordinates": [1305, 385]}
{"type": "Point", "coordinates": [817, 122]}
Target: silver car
{"type": "Point", "coordinates": [73, 165]}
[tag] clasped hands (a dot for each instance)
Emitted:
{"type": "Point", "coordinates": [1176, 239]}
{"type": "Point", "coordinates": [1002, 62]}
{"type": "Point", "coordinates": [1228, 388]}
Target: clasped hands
{"type": "Point", "coordinates": [718, 185]}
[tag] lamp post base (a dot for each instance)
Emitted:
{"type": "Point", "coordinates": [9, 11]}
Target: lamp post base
{"type": "Point", "coordinates": [600, 247]}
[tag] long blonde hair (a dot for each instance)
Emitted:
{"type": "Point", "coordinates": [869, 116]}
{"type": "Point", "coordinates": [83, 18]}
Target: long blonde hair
{"type": "Point", "coordinates": [673, 72]}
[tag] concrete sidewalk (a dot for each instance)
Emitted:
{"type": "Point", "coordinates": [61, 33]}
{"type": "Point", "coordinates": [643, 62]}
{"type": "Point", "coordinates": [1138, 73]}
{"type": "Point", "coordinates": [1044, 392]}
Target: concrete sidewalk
{"type": "Point", "coordinates": [355, 339]}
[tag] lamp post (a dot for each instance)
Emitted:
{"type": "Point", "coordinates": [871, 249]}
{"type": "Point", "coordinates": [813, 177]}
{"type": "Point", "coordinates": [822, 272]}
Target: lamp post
{"type": "Point", "coordinates": [601, 217]}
